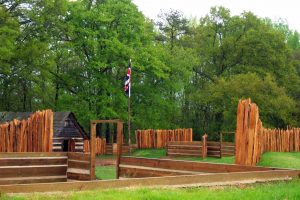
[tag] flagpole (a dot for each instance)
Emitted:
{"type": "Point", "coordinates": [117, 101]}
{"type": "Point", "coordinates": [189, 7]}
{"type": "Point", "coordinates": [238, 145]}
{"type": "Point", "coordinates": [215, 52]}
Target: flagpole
{"type": "Point", "coordinates": [129, 140]}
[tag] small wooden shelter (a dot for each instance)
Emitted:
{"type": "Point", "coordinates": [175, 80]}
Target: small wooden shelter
{"type": "Point", "coordinates": [66, 129]}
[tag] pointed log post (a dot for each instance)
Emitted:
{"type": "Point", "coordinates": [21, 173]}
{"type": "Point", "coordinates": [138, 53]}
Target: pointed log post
{"type": "Point", "coordinates": [119, 146]}
{"type": "Point", "coordinates": [204, 146]}
{"type": "Point", "coordinates": [93, 149]}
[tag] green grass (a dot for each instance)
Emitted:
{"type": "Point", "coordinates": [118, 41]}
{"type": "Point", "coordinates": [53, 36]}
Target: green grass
{"type": "Point", "coordinates": [149, 153]}
{"type": "Point", "coordinates": [284, 160]}
{"type": "Point", "coordinates": [105, 172]}
{"type": "Point", "coordinates": [228, 160]}
{"type": "Point", "coordinates": [261, 191]}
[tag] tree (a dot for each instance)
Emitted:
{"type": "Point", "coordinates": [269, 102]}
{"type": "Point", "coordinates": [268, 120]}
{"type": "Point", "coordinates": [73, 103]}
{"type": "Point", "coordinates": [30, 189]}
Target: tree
{"type": "Point", "coordinates": [172, 25]}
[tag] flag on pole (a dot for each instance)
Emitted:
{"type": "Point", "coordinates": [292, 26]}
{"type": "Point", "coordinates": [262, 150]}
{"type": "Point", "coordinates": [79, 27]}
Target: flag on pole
{"type": "Point", "coordinates": [128, 80]}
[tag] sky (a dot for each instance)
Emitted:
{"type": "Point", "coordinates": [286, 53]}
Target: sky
{"type": "Point", "coordinates": [288, 10]}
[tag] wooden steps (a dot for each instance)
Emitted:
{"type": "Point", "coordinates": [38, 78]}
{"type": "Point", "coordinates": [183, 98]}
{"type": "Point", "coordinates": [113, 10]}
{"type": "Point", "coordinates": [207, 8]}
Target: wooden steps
{"type": "Point", "coordinates": [24, 168]}
{"type": "Point", "coordinates": [39, 179]}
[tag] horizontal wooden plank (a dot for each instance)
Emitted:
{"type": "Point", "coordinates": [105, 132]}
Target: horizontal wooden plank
{"type": "Point", "coordinates": [228, 143]}
{"type": "Point", "coordinates": [213, 152]}
{"type": "Point", "coordinates": [79, 177]}
{"type": "Point", "coordinates": [138, 172]}
{"type": "Point", "coordinates": [184, 151]}
{"type": "Point", "coordinates": [23, 161]}
{"type": "Point", "coordinates": [189, 165]}
{"type": "Point", "coordinates": [184, 154]}
{"type": "Point", "coordinates": [213, 148]}
{"type": "Point", "coordinates": [29, 180]}
{"type": "Point", "coordinates": [79, 156]}
{"type": "Point", "coordinates": [67, 138]}
{"type": "Point", "coordinates": [78, 164]}
{"type": "Point", "coordinates": [196, 143]}
{"type": "Point", "coordinates": [33, 170]}
{"type": "Point", "coordinates": [209, 143]}
{"type": "Point", "coordinates": [78, 171]}
{"type": "Point", "coordinates": [32, 154]}
{"type": "Point", "coordinates": [183, 147]}
{"type": "Point", "coordinates": [227, 151]}
{"type": "Point", "coordinates": [185, 180]}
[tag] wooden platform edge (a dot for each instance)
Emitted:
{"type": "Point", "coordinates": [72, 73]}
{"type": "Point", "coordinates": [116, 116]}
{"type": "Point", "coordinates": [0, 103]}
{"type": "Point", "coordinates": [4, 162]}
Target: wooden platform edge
{"type": "Point", "coordinates": [199, 180]}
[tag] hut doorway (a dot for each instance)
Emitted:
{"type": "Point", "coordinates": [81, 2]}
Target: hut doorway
{"type": "Point", "coordinates": [65, 145]}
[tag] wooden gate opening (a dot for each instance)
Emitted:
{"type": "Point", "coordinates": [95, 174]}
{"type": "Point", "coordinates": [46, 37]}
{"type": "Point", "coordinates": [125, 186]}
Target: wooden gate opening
{"type": "Point", "coordinates": [119, 141]}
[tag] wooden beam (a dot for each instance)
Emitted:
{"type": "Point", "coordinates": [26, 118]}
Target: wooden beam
{"type": "Point", "coordinates": [92, 150]}
{"type": "Point", "coordinates": [119, 146]}
{"type": "Point", "coordinates": [30, 180]}
{"type": "Point", "coordinates": [105, 121]}
{"type": "Point", "coordinates": [33, 170]}
{"type": "Point", "coordinates": [79, 156]}
{"type": "Point", "coordinates": [31, 154]}
{"type": "Point", "coordinates": [33, 161]}
{"type": "Point", "coordinates": [190, 165]}
{"type": "Point", "coordinates": [185, 180]}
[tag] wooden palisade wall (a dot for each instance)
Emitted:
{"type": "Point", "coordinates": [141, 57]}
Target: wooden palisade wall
{"type": "Point", "coordinates": [32, 135]}
{"type": "Point", "coordinates": [252, 139]}
{"type": "Point", "coordinates": [160, 138]}
{"type": "Point", "coordinates": [100, 145]}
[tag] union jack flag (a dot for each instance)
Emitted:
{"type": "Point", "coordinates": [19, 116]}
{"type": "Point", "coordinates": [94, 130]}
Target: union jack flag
{"type": "Point", "coordinates": [128, 80]}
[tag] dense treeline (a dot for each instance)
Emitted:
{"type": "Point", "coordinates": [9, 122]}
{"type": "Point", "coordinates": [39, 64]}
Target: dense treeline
{"type": "Point", "coordinates": [186, 73]}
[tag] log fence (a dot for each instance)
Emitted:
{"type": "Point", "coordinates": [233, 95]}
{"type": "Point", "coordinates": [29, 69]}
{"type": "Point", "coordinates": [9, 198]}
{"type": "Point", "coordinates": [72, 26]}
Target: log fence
{"type": "Point", "coordinates": [194, 149]}
{"type": "Point", "coordinates": [160, 138]}
{"type": "Point", "coordinates": [43, 167]}
{"type": "Point", "coordinates": [137, 167]}
{"type": "Point", "coordinates": [32, 135]}
{"type": "Point", "coordinates": [100, 145]}
{"type": "Point", "coordinates": [252, 139]}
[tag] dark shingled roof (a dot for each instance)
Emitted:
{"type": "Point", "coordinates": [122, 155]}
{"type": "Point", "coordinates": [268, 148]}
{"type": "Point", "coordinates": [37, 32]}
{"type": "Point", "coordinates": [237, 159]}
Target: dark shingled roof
{"type": "Point", "coordinates": [60, 129]}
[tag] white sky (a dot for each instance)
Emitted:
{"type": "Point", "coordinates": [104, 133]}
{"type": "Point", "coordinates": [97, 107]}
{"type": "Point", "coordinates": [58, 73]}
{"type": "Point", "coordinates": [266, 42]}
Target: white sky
{"type": "Point", "coordinates": [289, 10]}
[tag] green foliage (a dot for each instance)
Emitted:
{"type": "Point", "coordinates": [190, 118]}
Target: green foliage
{"type": "Point", "coordinates": [73, 55]}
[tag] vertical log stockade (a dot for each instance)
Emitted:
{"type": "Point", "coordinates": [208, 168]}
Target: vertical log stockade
{"type": "Point", "coordinates": [160, 138]}
{"type": "Point", "coordinates": [32, 135]}
{"type": "Point", "coordinates": [252, 139]}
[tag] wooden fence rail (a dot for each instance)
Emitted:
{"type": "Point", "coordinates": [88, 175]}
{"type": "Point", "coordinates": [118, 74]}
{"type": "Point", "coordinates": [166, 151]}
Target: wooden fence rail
{"type": "Point", "coordinates": [43, 167]}
{"type": "Point", "coordinates": [32, 135]}
{"type": "Point", "coordinates": [160, 138]}
{"type": "Point", "coordinates": [252, 139]}
{"type": "Point", "coordinates": [149, 167]}
{"type": "Point", "coordinates": [183, 148]}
